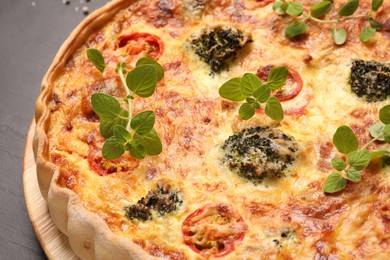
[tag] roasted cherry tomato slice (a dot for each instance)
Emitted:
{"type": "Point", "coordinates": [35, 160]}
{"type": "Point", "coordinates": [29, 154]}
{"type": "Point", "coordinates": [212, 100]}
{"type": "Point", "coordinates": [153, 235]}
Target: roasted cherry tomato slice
{"type": "Point", "coordinates": [138, 42]}
{"type": "Point", "coordinates": [290, 89]}
{"type": "Point", "coordinates": [213, 229]}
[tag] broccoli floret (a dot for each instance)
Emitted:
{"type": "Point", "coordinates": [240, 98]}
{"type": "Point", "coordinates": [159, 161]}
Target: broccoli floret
{"type": "Point", "coordinates": [161, 200]}
{"type": "Point", "coordinates": [218, 44]}
{"type": "Point", "coordinates": [370, 79]}
{"type": "Point", "coordinates": [258, 153]}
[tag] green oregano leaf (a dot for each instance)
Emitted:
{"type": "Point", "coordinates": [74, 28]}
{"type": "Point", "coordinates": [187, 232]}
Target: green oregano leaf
{"type": "Point", "coordinates": [150, 62]}
{"type": "Point", "coordinates": [375, 24]}
{"type": "Point", "coordinates": [354, 175]}
{"type": "Point", "coordinates": [294, 9]}
{"type": "Point", "coordinates": [384, 114]}
{"type": "Point", "coordinates": [262, 94]}
{"type": "Point", "coordinates": [294, 29]}
{"type": "Point", "coordinates": [97, 59]}
{"type": "Point", "coordinates": [151, 141]}
{"type": "Point", "coordinates": [143, 122]}
{"type": "Point", "coordinates": [105, 106]}
{"type": "Point", "coordinates": [359, 159]}
{"type": "Point", "coordinates": [249, 83]}
{"type": "Point", "coordinates": [121, 134]}
{"type": "Point", "coordinates": [112, 149]}
{"type": "Point", "coordinates": [339, 36]}
{"type": "Point", "coordinates": [349, 8]}
{"type": "Point", "coordinates": [376, 4]}
{"type": "Point", "coordinates": [338, 164]}
{"type": "Point", "coordinates": [136, 149]}
{"type": "Point", "coordinates": [345, 140]}
{"type": "Point", "coordinates": [246, 111]}
{"type": "Point", "coordinates": [280, 7]}
{"type": "Point", "coordinates": [277, 77]}
{"type": "Point", "coordinates": [378, 153]}
{"type": "Point", "coordinates": [142, 80]}
{"type": "Point", "coordinates": [334, 183]}
{"type": "Point", "coordinates": [107, 127]}
{"type": "Point", "coordinates": [386, 133]}
{"type": "Point", "coordinates": [367, 34]}
{"type": "Point", "coordinates": [274, 109]}
{"type": "Point", "coordinates": [231, 90]}
{"type": "Point", "coordinates": [377, 131]}
{"type": "Point", "coordinates": [320, 9]}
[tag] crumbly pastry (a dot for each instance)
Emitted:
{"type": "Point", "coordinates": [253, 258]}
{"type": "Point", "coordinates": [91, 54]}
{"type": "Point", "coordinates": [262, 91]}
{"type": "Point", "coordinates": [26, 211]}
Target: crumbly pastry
{"type": "Point", "coordinates": [222, 187]}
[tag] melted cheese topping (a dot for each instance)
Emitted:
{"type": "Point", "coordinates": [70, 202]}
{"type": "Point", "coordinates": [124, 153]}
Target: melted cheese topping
{"type": "Point", "coordinates": [193, 121]}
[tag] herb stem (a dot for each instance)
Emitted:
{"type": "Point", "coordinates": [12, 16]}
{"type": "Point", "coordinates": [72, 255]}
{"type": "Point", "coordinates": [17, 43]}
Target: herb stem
{"type": "Point", "coordinates": [370, 142]}
{"type": "Point", "coordinates": [129, 100]}
{"type": "Point", "coordinates": [335, 20]}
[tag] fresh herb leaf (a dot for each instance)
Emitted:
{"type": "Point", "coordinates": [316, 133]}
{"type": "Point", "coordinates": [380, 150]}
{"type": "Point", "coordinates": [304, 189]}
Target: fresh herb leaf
{"type": "Point", "coordinates": [296, 28]}
{"type": "Point", "coordinates": [121, 134]}
{"type": "Point", "coordinates": [136, 149]}
{"type": "Point", "coordinates": [349, 8]}
{"type": "Point", "coordinates": [112, 149]}
{"type": "Point", "coordinates": [334, 183]}
{"type": "Point", "coordinates": [386, 133]}
{"type": "Point", "coordinates": [263, 93]}
{"type": "Point", "coordinates": [294, 9]}
{"type": "Point", "coordinates": [231, 90]}
{"type": "Point", "coordinates": [274, 109]}
{"type": "Point", "coordinates": [277, 77]}
{"type": "Point", "coordinates": [378, 153]}
{"type": "Point", "coordinates": [253, 102]}
{"type": "Point", "coordinates": [384, 114]}
{"type": "Point", "coordinates": [246, 111]}
{"type": "Point", "coordinates": [143, 122]}
{"type": "Point", "coordinates": [338, 164]}
{"type": "Point", "coordinates": [376, 4]}
{"type": "Point", "coordinates": [367, 34]}
{"type": "Point", "coordinates": [105, 106]}
{"type": "Point", "coordinates": [249, 83]}
{"type": "Point", "coordinates": [107, 127]}
{"type": "Point", "coordinates": [148, 61]}
{"type": "Point", "coordinates": [374, 24]}
{"type": "Point", "coordinates": [345, 140]}
{"type": "Point", "coordinates": [359, 159]}
{"type": "Point", "coordinates": [321, 8]}
{"type": "Point", "coordinates": [339, 36]}
{"type": "Point", "coordinates": [151, 141]}
{"type": "Point", "coordinates": [142, 80]}
{"type": "Point", "coordinates": [280, 7]}
{"type": "Point", "coordinates": [354, 175]}
{"type": "Point", "coordinates": [376, 131]}
{"type": "Point", "coordinates": [97, 59]}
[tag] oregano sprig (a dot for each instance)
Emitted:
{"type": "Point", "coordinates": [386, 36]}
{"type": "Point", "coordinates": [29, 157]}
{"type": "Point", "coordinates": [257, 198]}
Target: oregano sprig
{"type": "Point", "coordinates": [255, 92]}
{"type": "Point", "coordinates": [125, 132]}
{"type": "Point", "coordinates": [346, 143]}
{"type": "Point", "coordinates": [317, 11]}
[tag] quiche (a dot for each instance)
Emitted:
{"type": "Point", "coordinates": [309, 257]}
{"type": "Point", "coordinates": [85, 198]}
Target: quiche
{"type": "Point", "coordinates": [220, 186]}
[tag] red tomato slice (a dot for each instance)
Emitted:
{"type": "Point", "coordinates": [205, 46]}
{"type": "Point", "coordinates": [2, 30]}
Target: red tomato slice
{"type": "Point", "coordinates": [213, 229]}
{"type": "Point", "coordinates": [290, 89]}
{"type": "Point", "coordinates": [138, 42]}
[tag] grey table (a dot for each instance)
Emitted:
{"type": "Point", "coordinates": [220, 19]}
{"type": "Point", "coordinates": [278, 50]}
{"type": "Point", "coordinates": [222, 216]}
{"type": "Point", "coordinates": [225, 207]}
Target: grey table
{"type": "Point", "coordinates": [31, 32]}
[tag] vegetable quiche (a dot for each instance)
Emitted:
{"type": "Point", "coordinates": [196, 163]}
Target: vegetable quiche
{"type": "Point", "coordinates": [232, 129]}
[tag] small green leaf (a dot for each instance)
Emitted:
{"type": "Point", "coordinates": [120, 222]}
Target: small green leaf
{"type": "Point", "coordinates": [121, 134]}
{"type": "Point", "coordinates": [277, 77]}
{"type": "Point", "coordinates": [107, 127]}
{"type": "Point", "coordinates": [295, 29]}
{"type": "Point", "coordinates": [107, 107]}
{"type": "Point", "coordinates": [384, 114]}
{"type": "Point", "coordinates": [345, 140]}
{"type": "Point", "coordinates": [263, 93]}
{"type": "Point", "coordinates": [377, 130]}
{"type": "Point", "coordinates": [274, 109]}
{"type": "Point", "coordinates": [359, 159]}
{"type": "Point", "coordinates": [294, 9]}
{"type": "Point", "coordinates": [142, 80]}
{"type": "Point", "coordinates": [354, 175]}
{"type": "Point", "coordinates": [374, 24]}
{"type": "Point", "coordinates": [143, 122]}
{"type": "Point", "coordinates": [253, 102]}
{"type": "Point", "coordinates": [386, 133]}
{"type": "Point", "coordinates": [334, 183]}
{"type": "Point", "coordinates": [249, 83]}
{"type": "Point", "coordinates": [112, 149]}
{"type": "Point", "coordinates": [97, 59]}
{"type": "Point", "coordinates": [136, 149]}
{"type": "Point", "coordinates": [339, 36]}
{"type": "Point", "coordinates": [349, 8]}
{"type": "Point", "coordinates": [338, 164]}
{"type": "Point", "coordinates": [320, 9]}
{"type": "Point", "coordinates": [148, 61]}
{"type": "Point", "coordinates": [378, 153]}
{"type": "Point", "coordinates": [231, 90]}
{"type": "Point", "coordinates": [376, 4]}
{"type": "Point", "coordinates": [367, 34]}
{"type": "Point", "coordinates": [246, 111]}
{"type": "Point", "coordinates": [151, 141]}
{"type": "Point", "coordinates": [280, 7]}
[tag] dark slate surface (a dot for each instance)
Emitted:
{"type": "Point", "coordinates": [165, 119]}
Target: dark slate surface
{"type": "Point", "coordinates": [31, 33]}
